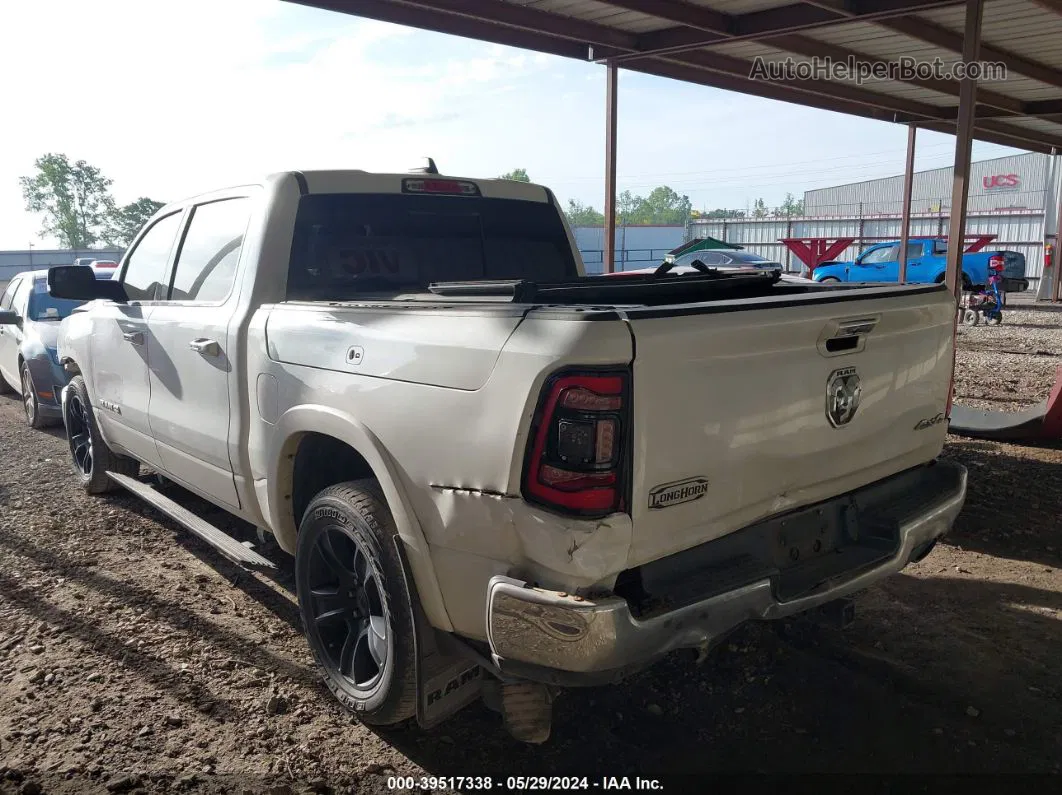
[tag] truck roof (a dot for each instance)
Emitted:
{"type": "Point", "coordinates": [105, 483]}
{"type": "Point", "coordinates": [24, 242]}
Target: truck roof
{"type": "Point", "coordinates": [360, 181]}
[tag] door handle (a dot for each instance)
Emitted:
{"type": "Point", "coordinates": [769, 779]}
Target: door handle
{"type": "Point", "coordinates": [135, 337]}
{"type": "Point", "coordinates": [205, 347]}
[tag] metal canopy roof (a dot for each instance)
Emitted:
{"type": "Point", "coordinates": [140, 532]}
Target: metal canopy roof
{"type": "Point", "coordinates": [715, 43]}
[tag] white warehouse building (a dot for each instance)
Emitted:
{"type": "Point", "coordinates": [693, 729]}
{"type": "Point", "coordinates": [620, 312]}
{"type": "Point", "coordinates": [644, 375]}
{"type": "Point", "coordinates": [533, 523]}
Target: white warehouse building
{"type": "Point", "coordinates": [1008, 196]}
{"type": "Point", "coordinates": [1011, 184]}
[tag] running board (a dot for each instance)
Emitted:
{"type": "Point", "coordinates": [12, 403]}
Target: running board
{"type": "Point", "coordinates": [222, 542]}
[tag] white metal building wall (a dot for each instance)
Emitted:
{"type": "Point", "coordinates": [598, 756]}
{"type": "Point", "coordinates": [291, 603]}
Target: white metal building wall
{"type": "Point", "coordinates": [931, 191]}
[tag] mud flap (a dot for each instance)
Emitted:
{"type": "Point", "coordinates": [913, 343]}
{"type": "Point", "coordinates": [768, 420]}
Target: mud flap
{"type": "Point", "coordinates": [447, 681]}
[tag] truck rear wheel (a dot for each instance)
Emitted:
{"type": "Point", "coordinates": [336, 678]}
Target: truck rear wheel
{"type": "Point", "coordinates": [90, 456]}
{"type": "Point", "coordinates": [353, 601]}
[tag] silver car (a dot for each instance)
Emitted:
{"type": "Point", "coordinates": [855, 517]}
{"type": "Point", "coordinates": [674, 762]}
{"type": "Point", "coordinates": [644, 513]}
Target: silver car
{"type": "Point", "coordinates": [29, 328]}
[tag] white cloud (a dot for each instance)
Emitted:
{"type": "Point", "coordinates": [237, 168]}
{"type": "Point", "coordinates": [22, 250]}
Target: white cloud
{"type": "Point", "coordinates": [173, 99]}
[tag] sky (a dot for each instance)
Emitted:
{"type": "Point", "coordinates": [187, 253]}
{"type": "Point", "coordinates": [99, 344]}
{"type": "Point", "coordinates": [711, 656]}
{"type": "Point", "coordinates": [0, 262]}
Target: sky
{"type": "Point", "coordinates": [174, 99]}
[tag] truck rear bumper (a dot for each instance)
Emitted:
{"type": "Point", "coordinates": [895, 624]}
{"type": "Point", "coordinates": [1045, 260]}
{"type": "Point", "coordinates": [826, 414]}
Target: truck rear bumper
{"type": "Point", "coordinates": [568, 639]}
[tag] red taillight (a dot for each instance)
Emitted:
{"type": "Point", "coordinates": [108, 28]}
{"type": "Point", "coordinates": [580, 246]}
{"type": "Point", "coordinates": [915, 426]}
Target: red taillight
{"type": "Point", "coordinates": [576, 454]}
{"type": "Point", "coordinates": [995, 263]}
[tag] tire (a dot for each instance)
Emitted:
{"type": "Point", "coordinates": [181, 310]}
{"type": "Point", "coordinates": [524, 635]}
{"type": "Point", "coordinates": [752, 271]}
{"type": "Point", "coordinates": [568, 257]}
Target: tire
{"type": "Point", "coordinates": [967, 285]}
{"type": "Point", "coordinates": [971, 317]}
{"type": "Point", "coordinates": [829, 280]}
{"type": "Point", "coordinates": [30, 403]}
{"type": "Point", "coordinates": [352, 591]}
{"type": "Point", "coordinates": [994, 320]}
{"type": "Point", "coordinates": [90, 456]}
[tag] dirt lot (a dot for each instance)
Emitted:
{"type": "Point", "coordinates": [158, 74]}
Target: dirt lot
{"type": "Point", "coordinates": [133, 657]}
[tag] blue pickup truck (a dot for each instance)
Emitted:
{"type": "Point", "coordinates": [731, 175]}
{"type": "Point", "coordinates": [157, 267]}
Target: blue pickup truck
{"type": "Point", "coordinates": [925, 265]}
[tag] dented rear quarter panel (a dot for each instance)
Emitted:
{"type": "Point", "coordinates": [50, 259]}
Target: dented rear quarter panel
{"type": "Point", "coordinates": [446, 397]}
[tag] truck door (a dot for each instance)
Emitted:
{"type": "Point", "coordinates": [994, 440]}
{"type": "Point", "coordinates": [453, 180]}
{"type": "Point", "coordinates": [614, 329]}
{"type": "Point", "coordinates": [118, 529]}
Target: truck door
{"type": "Point", "coordinates": [190, 353]}
{"type": "Point", "coordinates": [878, 264]}
{"type": "Point", "coordinates": [119, 345]}
{"type": "Point", "coordinates": [917, 270]}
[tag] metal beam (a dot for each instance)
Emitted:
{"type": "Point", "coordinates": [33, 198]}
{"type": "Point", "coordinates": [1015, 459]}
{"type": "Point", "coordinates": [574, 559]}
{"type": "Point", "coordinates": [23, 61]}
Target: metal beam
{"type": "Point", "coordinates": [754, 25]}
{"type": "Point", "coordinates": [931, 33]}
{"type": "Point", "coordinates": [696, 31]}
{"type": "Point", "coordinates": [908, 185]}
{"type": "Point", "coordinates": [438, 22]}
{"type": "Point", "coordinates": [687, 74]}
{"type": "Point", "coordinates": [531, 19]}
{"type": "Point", "coordinates": [1043, 107]}
{"type": "Point", "coordinates": [682, 13]}
{"type": "Point", "coordinates": [691, 68]}
{"type": "Point", "coordinates": [1054, 6]}
{"type": "Point", "coordinates": [813, 48]}
{"type": "Point", "coordinates": [991, 137]}
{"type": "Point", "coordinates": [960, 187]}
{"type": "Point", "coordinates": [1045, 290]}
{"type": "Point", "coordinates": [611, 107]}
{"type": "Point", "coordinates": [908, 109]}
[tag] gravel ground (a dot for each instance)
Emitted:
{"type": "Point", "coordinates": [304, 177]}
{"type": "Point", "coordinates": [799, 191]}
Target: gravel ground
{"type": "Point", "coordinates": [1011, 366]}
{"type": "Point", "coordinates": [134, 658]}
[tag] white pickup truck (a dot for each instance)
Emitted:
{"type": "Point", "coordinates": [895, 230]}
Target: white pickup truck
{"type": "Point", "coordinates": [499, 477]}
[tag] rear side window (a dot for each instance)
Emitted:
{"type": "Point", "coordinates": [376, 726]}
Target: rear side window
{"type": "Point", "coordinates": [21, 298]}
{"type": "Point", "coordinates": [350, 244]}
{"type": "Point", "coordinates": [145, 269]}
{"type": "Point", "coordinates": [9, 293]}
{"type": "Point", "coordinates": [206, 264]}
{"type": "Point", "coordinates": [883, 254]}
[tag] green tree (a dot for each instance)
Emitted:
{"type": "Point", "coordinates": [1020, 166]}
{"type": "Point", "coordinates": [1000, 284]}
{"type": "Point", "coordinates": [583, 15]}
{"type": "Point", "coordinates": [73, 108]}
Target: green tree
{"type": "Point", "coordinates": [759, 209]}
{"type": "Point", "coordinates": [790, 206]}
{"type": "Point", "coordinates": [73, 198]}
{"type": "Point", "coordinates": [517, 175]}
{"type": "Point", "coordinates": [664, 206]}
{"type": "Point", "coordinates": [580, 214]}
{"type": "Point", "coordinates": [630, 209]}
{"type": "Point", "coordinates": [124, 222]}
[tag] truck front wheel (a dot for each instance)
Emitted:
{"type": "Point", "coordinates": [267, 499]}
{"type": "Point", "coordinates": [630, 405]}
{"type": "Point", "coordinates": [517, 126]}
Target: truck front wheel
{"type": "Point", "coordinates": [90, 456]}
{"type": "Point", "coordinates": [353, 601]}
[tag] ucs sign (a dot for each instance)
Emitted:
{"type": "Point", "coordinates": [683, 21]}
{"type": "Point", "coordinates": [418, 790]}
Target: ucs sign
{"type": "Point", "coordinates": [1001, 182]}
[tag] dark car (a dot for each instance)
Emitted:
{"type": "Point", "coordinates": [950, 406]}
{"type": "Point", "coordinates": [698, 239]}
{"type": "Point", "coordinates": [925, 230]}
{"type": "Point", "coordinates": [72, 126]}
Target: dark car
{"type": "Point", "coordinates": [720, 259]}
{"type": "Point", "coordinates": [29, 327]}
{"type": "Point", "coordinates": [723, 258]}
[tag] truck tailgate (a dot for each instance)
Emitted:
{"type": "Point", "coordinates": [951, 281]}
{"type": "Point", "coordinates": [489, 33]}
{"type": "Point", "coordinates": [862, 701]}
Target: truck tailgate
{"type": "Point", "coordinates": [747, 409]}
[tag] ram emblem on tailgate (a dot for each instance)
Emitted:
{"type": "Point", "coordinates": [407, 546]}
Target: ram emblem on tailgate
{"type": "Point", "coordinates": [842, 396]}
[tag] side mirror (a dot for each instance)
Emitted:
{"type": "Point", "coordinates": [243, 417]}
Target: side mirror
{"type": "Point", "coordinates": [79, 283]}
{"type": "Point", "coordinates": [9, 318]}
